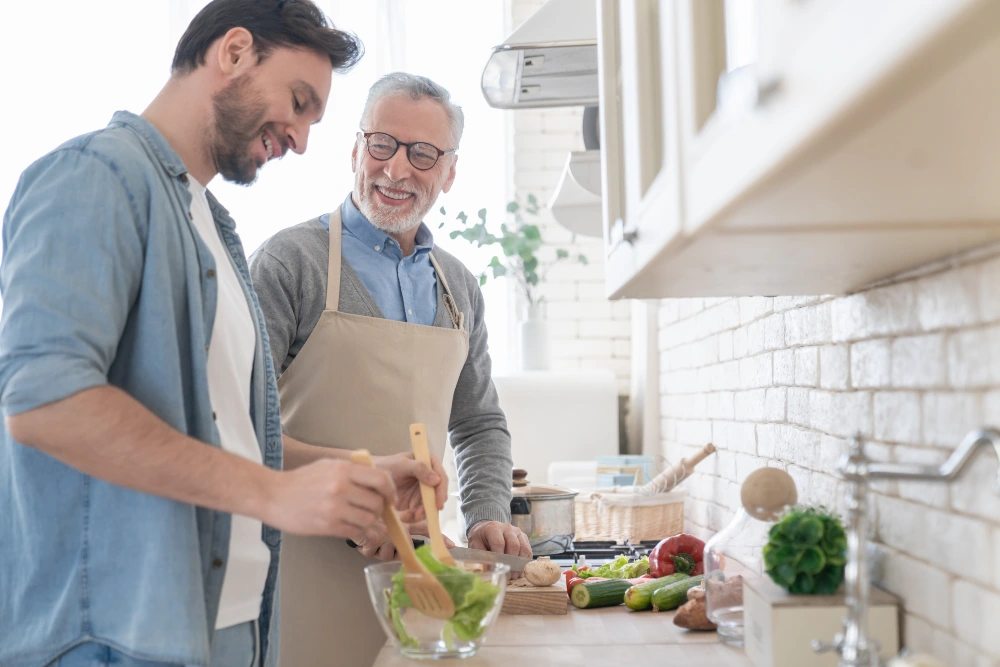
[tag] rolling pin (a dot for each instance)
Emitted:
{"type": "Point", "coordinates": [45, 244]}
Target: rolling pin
{"type": "Point", "coordinates": [676, 473]}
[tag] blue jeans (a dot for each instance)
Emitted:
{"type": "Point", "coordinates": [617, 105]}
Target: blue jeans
{"type": "Point", "coordinates": [235, 646]}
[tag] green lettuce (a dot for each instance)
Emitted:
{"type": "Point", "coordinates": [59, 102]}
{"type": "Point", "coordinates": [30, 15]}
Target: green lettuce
{"type": "Point", "coordinates": [472, 596]}
{"type": "Point", "coordinates": [619, 568]}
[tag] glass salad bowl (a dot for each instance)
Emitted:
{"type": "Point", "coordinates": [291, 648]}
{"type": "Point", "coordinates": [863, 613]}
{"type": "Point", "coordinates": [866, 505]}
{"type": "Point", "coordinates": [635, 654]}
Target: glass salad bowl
{"type": "Point", "coordinates": [476, 588]}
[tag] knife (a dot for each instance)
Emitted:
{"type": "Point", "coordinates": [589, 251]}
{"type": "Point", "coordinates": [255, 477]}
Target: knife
{"type": "Point", "coordinates": [516, 563]}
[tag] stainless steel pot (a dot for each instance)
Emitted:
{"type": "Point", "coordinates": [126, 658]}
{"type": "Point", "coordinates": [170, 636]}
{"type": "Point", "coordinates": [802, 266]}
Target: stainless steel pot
{"type": "Point", "coordinates": [546, 514]}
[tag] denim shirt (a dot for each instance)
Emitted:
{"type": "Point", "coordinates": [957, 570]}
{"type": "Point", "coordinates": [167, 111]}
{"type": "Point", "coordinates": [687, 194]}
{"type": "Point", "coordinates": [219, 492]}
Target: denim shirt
{"type": "Point", "coordinates": [403, 288]}
{"type": "Point", "coordinates": [105, 282]}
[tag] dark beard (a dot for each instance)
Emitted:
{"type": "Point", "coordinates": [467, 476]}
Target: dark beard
{"type": "Point", "coordinates": [238, 116]}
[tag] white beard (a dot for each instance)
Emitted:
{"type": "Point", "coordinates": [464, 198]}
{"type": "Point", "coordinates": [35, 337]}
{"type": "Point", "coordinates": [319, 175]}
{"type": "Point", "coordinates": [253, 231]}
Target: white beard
{"type": "Point", "coordinates": [390, 224]}
{"type": "Point", "coordinates": [387, 220]}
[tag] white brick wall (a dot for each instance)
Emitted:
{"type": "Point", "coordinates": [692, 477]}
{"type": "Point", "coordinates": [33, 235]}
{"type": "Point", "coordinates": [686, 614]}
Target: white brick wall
{"type": "Point", "coordinates": [585, 329]}
{"type": "Point", "coordinates": [912, 366]}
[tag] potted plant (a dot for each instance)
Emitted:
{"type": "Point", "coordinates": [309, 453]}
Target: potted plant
{"type": "Point", "coordinates": [519, 244]}
{"type": "Point", "coordinates": [806, 551]}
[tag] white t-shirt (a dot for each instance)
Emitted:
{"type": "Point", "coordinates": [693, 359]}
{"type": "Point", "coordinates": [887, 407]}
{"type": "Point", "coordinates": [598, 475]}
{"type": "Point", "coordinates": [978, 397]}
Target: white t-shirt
{"type": "Point", "coordinates": [230, 364]}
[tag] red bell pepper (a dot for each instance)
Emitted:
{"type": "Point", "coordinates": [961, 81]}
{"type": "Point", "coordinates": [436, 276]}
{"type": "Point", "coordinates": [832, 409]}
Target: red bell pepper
{"type": "Point", "coordinates": [680, 553]}
{"type": "Point", "coordinates": [570, 574]}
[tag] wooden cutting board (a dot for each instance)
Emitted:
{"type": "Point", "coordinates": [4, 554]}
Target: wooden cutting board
{"type": "Point", "coordinates": [524, 598]}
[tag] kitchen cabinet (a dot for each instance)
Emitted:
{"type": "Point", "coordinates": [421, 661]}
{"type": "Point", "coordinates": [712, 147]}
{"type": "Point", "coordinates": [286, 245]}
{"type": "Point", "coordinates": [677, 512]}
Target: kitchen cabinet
{"type": "Point", "coordinates": [639, 134]}
{"type": "Point", "coordinates": [797, 146]}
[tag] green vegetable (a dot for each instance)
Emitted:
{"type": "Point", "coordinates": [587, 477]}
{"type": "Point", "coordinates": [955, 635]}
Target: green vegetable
{"type": "Point", "coordinates": [619, 568]}
{"type": "Point", "coordinates": [606, 593]}
{"type": "Point", "coordinates": [640, 596]}
{"type": "Point", "coordinates": [472, 596]}
{"type": "Point", "coordinates": [806, 552]}
{"type": "Point", "coordinates": [674, 595]}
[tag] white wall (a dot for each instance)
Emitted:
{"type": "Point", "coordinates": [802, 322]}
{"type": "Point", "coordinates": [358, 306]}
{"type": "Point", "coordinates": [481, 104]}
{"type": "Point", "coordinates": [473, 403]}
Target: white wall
{"type": "Point", "coordinates": [913, 366]}
{"type": "Point", "coordinates": [586, 330]}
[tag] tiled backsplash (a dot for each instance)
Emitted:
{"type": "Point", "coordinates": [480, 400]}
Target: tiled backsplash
{"type": "Point", "coordinates": [912, 366]}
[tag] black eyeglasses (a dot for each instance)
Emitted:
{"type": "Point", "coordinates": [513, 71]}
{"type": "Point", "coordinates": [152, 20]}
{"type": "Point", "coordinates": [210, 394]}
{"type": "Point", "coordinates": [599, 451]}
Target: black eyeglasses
{"type": "Point", "coordinates": [422, 155]}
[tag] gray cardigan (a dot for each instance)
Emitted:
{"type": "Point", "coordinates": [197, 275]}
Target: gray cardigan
{"type": "Point", "coordinates": [289, 274]}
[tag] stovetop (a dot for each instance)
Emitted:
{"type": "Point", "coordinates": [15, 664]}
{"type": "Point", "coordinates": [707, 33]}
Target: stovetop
{"type": "Point", "coordinates": [599, 553]}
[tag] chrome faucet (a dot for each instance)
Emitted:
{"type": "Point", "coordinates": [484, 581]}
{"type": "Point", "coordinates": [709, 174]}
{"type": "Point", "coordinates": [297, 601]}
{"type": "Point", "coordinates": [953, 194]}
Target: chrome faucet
{"type": "Point", "coordinates": [853, 644]}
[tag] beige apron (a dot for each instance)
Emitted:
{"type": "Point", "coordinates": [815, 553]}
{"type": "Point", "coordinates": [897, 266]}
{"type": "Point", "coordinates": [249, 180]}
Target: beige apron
{"type": "Point", "coordinates": [357, 382]}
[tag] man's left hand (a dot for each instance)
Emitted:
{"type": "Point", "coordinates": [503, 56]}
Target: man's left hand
{"type": "Point", "coordinates": [500, 537]}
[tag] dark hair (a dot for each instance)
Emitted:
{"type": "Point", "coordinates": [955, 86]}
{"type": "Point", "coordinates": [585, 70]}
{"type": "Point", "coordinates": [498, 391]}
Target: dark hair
{"type": "Point", "coordinates": [273, 24]}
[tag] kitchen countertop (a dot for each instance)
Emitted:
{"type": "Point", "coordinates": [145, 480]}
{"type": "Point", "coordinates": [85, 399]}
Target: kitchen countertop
{"type": "Point", "coordinates": [608, 636]}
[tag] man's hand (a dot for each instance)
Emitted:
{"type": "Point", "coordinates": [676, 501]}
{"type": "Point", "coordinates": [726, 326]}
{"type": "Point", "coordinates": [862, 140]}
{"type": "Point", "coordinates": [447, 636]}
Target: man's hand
{"type": "Point", "coordinates": [407, 474]}
{"type": "Point", "coordinates": [376, 542]}
{"type": "Point", "coordinates": [502, 538]}
{"type": "Point", "coordinates": [330, 498]}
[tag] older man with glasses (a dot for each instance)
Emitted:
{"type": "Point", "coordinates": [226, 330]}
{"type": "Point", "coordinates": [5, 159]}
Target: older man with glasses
{"type": "Point", "coordinates": [372, 328]}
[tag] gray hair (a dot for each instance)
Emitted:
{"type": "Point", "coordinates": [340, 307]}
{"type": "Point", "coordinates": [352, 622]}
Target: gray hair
{"type": "Point", "coordinates": [416, 87]}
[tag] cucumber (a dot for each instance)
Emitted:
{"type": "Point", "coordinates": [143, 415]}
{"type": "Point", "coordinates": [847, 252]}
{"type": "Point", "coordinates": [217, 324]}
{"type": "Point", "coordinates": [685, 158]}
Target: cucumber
{"type": "Point", "coordinates": [607, 593]}
{"type": "Point", "coordinates": [674, 595]}
{"type": "Point", "coordinates": [640, 597]}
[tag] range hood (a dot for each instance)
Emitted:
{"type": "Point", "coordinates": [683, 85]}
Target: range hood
{"type": "Point", "coordinates": [550, 61]}
{"type": "Point", "coordinates": [576, 204]}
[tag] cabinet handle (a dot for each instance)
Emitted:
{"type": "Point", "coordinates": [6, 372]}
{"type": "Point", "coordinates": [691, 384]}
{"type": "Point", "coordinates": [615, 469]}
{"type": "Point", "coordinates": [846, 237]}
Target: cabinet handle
{"type": "Point", "coordinates": [619, 237]}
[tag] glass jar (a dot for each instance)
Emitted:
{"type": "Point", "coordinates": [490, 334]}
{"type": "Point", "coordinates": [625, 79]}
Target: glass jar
{"type": "Point", "coordinates": [733, 552]}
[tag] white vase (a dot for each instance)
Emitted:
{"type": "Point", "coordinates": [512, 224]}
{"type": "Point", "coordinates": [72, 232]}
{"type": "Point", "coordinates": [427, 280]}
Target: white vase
{"type": "Point", "coordinates": [534, 340]}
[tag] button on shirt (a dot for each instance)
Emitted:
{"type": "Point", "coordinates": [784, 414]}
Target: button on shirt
{"type": "Point", "coordinates": [404, 288]}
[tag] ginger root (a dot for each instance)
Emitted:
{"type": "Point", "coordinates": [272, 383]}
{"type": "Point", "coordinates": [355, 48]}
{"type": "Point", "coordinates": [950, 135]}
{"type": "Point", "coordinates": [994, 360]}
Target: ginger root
{"type": "Point", "coordinates": [692, 614]}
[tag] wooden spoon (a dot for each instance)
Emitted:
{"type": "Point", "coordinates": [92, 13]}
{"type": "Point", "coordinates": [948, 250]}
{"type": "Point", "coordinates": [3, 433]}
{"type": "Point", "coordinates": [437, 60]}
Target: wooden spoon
{"type": "Point", "coordinates": [418, 438]}
{"type": "Point", "coordinates": [425, 591]}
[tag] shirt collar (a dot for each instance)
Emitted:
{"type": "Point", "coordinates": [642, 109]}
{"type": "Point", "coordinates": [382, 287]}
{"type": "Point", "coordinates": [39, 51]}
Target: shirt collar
{"type": "Point", "coordinates": [359, 226]}
{"type": "Point", "coordinates": [169, 158]}
{"type": "Point", "coordinates": [157, 142]}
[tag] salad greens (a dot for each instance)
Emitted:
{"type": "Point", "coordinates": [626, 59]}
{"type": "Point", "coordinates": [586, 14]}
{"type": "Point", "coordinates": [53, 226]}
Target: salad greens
{"type": "Point", "coordinates": [619, 568]}
{"type": "Point", "coordinates": [472, 596]}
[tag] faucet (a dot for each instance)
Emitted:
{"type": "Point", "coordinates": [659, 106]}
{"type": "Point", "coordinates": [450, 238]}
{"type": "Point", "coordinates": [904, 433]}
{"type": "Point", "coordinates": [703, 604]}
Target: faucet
{"type": "Point", "coordinates": [853, 645]}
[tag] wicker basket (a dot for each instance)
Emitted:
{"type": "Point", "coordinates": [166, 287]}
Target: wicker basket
{"type": "Point", "coordinates": [628, 517]}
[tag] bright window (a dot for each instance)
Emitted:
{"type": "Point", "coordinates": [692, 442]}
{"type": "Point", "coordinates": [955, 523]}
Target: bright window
{"type": "Point", "coordinates": [69, 65]}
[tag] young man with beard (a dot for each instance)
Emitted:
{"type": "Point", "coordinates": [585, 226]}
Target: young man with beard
{"type": "Point", "coordinates": [141, 489]}
{"type": "Point", "coordinates": [373, 328]}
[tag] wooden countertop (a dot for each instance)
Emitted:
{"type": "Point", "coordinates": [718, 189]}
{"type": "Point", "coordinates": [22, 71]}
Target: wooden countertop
{"type": "Point", "coordinates": [608, 636]}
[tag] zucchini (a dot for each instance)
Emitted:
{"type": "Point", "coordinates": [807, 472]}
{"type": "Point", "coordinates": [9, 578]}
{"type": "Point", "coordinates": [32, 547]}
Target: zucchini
{"type": "Point", "coordinates": [607, 593]}
{"type": "Point", "coordinates": [640, 596]}
{"type": "Point", "coordinates": [674, 595]}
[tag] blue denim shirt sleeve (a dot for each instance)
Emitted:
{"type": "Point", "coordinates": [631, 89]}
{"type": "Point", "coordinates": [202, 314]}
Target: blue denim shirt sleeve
{"type": "Point", "coordinates": [71, 268]}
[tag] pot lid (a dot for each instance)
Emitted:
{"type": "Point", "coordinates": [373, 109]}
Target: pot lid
{"type": "Point", "coordinates": [523, 488]}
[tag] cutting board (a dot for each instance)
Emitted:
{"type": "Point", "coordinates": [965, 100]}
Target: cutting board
{"type": "Point", "coordinates": [524, 598]}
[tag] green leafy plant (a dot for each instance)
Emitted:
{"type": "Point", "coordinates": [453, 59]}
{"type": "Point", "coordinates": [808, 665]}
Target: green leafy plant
{"type": "Point", "coordinates": [806, 551]}
{"type": "Point", "coordinates": [519, 244]}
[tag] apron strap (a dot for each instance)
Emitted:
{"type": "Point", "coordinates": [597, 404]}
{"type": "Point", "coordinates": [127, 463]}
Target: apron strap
{"type": "Point", "coordinates": [457, 317]}
{"type": "Point", "coordinates": [333, 276]}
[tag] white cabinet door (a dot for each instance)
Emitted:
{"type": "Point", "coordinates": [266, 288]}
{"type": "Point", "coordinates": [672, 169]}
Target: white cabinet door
{"type": "Point", "coordinates": [814, 72]}
{"type": "Point", "coordinates": [644, 97]}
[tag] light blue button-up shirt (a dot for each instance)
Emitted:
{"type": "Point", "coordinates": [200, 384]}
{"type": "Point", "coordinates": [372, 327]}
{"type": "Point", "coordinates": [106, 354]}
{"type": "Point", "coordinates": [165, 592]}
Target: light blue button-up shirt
{"type": "Point", "coordinates": [404, 288]}
{"type": "Point", "coordinates": [106, 283]}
